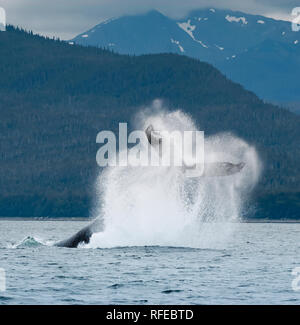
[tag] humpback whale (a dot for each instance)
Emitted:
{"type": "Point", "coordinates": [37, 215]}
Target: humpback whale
{"type": "Point", "coordinates": [210, 170]}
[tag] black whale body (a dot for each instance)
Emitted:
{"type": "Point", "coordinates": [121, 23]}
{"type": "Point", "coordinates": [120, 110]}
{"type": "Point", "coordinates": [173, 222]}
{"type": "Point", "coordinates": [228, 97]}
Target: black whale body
{"type": "Point", "coordinates": [82, 236]}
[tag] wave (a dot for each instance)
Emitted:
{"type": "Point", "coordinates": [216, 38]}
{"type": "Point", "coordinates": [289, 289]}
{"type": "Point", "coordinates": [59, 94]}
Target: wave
{"type": "Point", "coordinates": [29, 242]}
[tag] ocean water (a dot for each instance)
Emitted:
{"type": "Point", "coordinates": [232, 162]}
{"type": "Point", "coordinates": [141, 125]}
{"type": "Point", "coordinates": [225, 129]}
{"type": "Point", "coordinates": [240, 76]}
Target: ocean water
{"type": "Point", "coordinates": [253, 266]}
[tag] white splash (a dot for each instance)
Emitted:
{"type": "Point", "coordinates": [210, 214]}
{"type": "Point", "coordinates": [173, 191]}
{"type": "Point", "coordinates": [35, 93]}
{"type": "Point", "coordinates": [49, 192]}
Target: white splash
{"type": "Point", "coordinates": [160, 206]}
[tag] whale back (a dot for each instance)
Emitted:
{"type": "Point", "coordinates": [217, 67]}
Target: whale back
{"type": "Point", "coordinates": [82, 236]}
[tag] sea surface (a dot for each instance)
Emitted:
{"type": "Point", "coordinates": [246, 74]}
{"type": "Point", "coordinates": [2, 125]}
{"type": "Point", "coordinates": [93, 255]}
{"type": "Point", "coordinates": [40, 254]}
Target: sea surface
{"type": "Point", "coordinates": [254, 266]}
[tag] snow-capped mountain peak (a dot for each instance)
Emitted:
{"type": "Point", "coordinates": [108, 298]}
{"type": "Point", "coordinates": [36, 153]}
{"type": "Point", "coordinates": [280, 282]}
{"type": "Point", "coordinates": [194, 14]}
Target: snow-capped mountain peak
{"type": "Point", "coordinates": [250, 49]}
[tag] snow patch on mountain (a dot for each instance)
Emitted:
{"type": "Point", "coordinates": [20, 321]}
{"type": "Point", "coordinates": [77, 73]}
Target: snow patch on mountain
{"type": "Point", "coordinates": [219, 47]}
{"type": "Point", "coordinates": [178, 44]}
{"type": "Point", "coordinates": [188, 28]}
{"type": "Point", "coordinates": [236, 19]}
{"type": "Point", "coordinates": [107, 21]}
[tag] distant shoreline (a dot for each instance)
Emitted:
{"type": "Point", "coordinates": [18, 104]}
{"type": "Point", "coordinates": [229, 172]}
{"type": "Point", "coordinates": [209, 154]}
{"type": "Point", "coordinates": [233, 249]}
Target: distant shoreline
{"type": "Point", "coordinates": [270, 221]}
{"type": "Point", "coordinates": [45, 219]}
{"type": "Point", "coordinates": [90, 219]}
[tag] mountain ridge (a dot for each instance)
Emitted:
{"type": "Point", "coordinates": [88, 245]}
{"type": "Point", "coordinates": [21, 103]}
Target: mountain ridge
{"type": "Point", "coordinates": [227, 39]}
{"type": "Point", "coordinates": [53, 106]}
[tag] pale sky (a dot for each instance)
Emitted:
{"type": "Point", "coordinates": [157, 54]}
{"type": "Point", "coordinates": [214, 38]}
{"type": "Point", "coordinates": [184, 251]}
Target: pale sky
{"type": "Point", "coordinates": [67, 18]}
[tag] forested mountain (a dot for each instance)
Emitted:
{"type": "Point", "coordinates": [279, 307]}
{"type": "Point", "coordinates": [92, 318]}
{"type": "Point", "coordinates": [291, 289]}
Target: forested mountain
{"type": "Point", "coordinates": [56, 97]}
{"type": "Point", "coordinates": [260, 53]}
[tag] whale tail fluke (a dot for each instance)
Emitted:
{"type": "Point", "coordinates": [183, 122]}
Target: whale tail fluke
{"type": "Point", "coordinates": [211, 169]}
